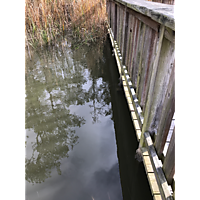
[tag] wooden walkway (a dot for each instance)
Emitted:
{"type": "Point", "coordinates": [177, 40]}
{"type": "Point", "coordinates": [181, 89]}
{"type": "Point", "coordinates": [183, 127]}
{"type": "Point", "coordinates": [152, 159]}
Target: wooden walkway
{"type": "Point", "coordinates": [142, 35]}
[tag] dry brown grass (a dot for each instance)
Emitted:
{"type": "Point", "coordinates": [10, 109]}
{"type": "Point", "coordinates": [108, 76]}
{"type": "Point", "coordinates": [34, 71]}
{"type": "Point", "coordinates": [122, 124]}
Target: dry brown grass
{"type": "Point", "coordinates": [47, 19]}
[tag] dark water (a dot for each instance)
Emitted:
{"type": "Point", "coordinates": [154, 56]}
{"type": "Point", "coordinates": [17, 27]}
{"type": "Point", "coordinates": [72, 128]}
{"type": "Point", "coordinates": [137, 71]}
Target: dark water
{"type": "Point", "coordinates": [77, 125]}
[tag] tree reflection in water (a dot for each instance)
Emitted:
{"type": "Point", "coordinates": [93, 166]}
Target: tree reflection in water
{"type": "Point", "coordinates": [54, 81]}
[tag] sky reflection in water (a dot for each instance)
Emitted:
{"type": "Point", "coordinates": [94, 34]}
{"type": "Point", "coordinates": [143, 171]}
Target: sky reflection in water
{"type": "Point", "coordinates": [71, 150]}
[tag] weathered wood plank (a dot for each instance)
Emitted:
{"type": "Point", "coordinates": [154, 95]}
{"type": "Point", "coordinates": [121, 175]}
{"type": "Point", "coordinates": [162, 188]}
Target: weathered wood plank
{"type": "Point", "coordinates": [112, 4]}
{"type": "Point", "coordinates": [166, 115]}
{"type": "Point", "coordinates": [149, 68]}
{"type": "Point", "coordinates": [128, 39]}
{"type": "Point", "coordinates": [131, 45]}
{"type": "Point", "coordinates": [123, 30]}
{"type": "Point", "coordinates": [147, 164]}
{"type": "Point", "coordinates": [118, 25]}
{"type": "Point", "coordinates": [139, 55]}
{"type": "Point", "coordinates": [157, 197]}
{"type": "Point", "coordinates": [146, 20]}
{"type": "Point", "coordinates": [148, 53]}
{"type": "Point", "coordinates": [125, 39]}
{"type": "Point", "coordinates": [115, 24]}
{"type": "Point", "coordinates": [160, 86]}
{"type": "Point", "coordinates": [170, 35]}
{"type": "Point", "coordinates": [137, 107]}
{"type": "Point", "coordinates": [153, 183]}
{"type": "Point", "coordinates": [161, 13]}
{"type": "Point", "coordinates": [108, 11]}
{"type": "Point", "coordinates": [144, 63]}
{"type": "Point", "coordinates": [134, 62]}
{"type": "Point", "coordinates": [169, 162]}
{"type": "Point", "coordinates": [163, 75]}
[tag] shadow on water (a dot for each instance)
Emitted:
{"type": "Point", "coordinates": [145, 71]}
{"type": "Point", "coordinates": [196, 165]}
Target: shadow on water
{"type": "Point", "coordinates": [73, 109]}
{"type": "Point", "coordinates": [133, 178]}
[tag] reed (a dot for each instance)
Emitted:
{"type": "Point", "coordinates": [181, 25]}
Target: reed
{"type": "Point", "coordinates": [45, 20]}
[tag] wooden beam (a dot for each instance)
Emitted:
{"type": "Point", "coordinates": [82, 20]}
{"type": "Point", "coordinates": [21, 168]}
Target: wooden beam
{"type": "Point", "coordinates": [170, 34]}
{"type": "Point", "coordinates": [146, 20]}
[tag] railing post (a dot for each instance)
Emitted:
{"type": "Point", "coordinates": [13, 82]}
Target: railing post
{"type": "Point", "coordinates": [147, 117]}
{"type": "Point", "coordinates": [166, 116]}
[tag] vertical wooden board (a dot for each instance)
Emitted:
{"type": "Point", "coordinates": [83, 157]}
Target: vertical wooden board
{"type": "Point", "coordinates": [135, 50]}
{"type": "Point", "coordinates": [135, 72]}
{"type": "Point", "coordinates": [148, 116]}
{"type": "Point", "coordinates": [162, 79]}
{"type": "Point", "coordinates": [125, 38]}
{"type": "Point", "coordinates": [123, 30]}
{"type": "Point", "coordinates": [120, 26]}
{"type": "Point", "coordinates": [107, 6]}
{"type": "Point", "coordinates": [150, 48]}
{"type": "Point", "coordinates": [116, 23]}
{"type": "Point", "coordinates": [113, 16]}
{"type": "Point", "coordinates": [108, 10]}
{"type": "Point", "coordinates": [111, 20]}
{"type": "Point", "coordinates": [132, 28]}
{"type": "Point", "coordinates": [139, 55]}
{"type": "Point", "coordinates": [133, 46]}
{"type": "Point", "coordinates": [150, 64]}
{"type": "Point", "coordinates": [128, 40]}
{"type": "Point", "coordinates": [167, 113]}
{"type": "Point", "coordinates": [144, 63]}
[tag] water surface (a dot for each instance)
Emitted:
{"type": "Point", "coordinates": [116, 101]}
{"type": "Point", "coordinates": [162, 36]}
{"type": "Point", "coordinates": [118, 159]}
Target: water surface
{"type": "Point", "coordinates": [80, 140]}
{"type": "Point", "coordinates": [71, 150]}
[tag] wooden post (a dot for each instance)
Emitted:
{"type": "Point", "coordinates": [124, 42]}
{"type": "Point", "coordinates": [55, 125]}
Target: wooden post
{"type": "Point", "coordinates": [169, 162]}
{"type": "Point", "coordinates": [166, 115]}
{"type": "Point", "coordinates": [148, 111]}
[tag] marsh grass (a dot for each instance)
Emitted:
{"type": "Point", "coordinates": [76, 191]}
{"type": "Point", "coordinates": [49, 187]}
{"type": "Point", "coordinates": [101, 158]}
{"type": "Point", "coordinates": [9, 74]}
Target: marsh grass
{"type": "Point", "coordinates": [45, 20]}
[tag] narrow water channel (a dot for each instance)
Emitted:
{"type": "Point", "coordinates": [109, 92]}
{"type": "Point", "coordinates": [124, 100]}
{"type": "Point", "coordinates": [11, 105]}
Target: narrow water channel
{"type": "Point", "coordinates": [80, 142]}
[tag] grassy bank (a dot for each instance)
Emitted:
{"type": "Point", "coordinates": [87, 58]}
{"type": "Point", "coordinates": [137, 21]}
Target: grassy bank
{"type": "Point", "coordinates": [45, 20]}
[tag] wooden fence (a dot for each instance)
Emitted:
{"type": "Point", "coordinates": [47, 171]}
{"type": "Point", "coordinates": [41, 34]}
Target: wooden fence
{"type": "Point", "coordinates": [142, 34]}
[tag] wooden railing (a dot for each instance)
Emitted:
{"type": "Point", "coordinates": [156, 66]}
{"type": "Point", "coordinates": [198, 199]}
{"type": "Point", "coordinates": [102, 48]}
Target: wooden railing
{"type": "Point", "coordinates": [142, 34]}
{"type": "Point", "coordinates": [171, 2]}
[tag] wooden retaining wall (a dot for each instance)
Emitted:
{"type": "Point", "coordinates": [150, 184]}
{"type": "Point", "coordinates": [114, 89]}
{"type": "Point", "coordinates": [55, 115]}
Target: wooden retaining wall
{"type": "Point", "coordinates": [142, 34]}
